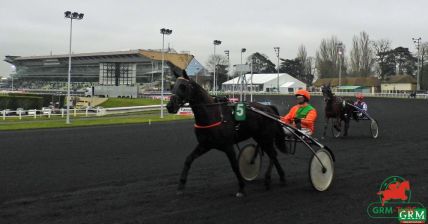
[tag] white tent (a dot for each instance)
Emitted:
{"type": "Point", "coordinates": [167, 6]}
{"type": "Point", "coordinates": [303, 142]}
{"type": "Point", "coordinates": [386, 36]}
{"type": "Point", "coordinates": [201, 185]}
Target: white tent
{"type": "Point", "coordinates": [266, 83]}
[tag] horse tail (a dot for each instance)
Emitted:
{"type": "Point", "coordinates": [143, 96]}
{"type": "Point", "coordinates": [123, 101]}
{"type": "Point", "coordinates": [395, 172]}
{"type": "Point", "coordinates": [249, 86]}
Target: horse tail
{"type": "Point", "coordinates": [279, 133]}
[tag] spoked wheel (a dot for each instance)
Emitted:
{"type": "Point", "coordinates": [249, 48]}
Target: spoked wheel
{"type": "Point", "coordinates": [336, 133]}
{"type": "Point", "coordinates": [321, 175]}
{"type": "Point", "coordinates": [374, 128]}
{"type": "Point", "coordinates": [250, 162]}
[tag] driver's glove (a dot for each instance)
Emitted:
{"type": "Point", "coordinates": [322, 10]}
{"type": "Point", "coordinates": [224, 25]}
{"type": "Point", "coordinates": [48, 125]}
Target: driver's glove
{"type": "Point", "coordinates": [298, 123]}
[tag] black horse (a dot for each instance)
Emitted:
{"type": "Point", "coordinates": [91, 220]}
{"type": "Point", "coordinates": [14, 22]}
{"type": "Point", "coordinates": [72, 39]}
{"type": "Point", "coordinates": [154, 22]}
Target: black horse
{"type": "Point", "coordinates": [338, 109]}
{"type": "Point", "coordinates": [216, 128]}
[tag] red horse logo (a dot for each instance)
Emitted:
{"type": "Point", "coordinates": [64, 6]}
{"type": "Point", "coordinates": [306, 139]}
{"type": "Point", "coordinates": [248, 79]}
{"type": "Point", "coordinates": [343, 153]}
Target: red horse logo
{"type": "Point", "coordinates": [396, 190]}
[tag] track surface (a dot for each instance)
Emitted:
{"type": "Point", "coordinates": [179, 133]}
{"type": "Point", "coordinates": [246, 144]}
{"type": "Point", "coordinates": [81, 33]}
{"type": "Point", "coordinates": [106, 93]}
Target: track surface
{"type": "Point", "coordinates": [129, 173]}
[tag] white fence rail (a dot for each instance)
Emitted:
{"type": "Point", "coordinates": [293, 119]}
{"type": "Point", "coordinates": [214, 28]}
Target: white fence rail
{"type": "Point", "coordinates": [75, 112]}
{"type": "Point", "coordinates": [351, 94]}
{"type": "Point", "coordinates": [383, 95]}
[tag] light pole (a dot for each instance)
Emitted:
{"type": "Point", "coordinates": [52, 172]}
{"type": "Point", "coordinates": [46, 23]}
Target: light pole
{"type": "Point", "coordinates": [71, 16]}
{"type": "Point", "coordinates": [251, 88]}
{"type": "Point", "coordinates": [226, 52]}
{"type": "Point", "coordinates": [340, 52]}
{"type": "Point", "coordinates": [164, 32]}
{"type": "Point", "coordinates": [417, 42]}
{"type": "Point", "coordinates": [243, 50]}
{"type": "Point", "coordinates": [277, 77]}
{"type": "Point", "coordinates": [12, 74]}
{"type": "Point", "coordinates": [151, 81]}
{"type": "Point", "coordinates": [215, 42]}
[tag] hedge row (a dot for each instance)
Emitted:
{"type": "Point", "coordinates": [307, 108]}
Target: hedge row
{"type": "Point", "coordinates": [47, 98]}
{"type": "Point", "coordinates": [26, 102]}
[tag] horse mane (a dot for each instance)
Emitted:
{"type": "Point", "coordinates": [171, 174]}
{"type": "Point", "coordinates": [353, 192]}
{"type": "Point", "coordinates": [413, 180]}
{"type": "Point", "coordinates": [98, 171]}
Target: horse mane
{"type": "Point", "coordinates": [201, 92]}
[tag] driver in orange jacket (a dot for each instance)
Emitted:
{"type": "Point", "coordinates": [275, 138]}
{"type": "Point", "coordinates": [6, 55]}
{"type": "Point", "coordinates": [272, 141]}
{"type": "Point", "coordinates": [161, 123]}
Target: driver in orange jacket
{"type": "Point", "coordinates": [303, 115]}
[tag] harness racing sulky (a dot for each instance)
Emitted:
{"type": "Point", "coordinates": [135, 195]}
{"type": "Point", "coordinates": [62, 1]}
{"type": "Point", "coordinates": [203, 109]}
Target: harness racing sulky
{"type": "Point", "coordinates": [221, 125]}
{"type": "Point", "coordinates": [341, 112]}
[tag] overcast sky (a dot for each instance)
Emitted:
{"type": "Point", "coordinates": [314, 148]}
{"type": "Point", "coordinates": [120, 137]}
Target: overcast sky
{"type": "Point", "coordinates": [38, 27]}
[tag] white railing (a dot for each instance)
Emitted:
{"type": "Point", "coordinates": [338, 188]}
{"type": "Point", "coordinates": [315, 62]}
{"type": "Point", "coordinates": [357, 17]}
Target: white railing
{"type": "Point", "coordinates": [35, 113]}
{"type": "Point", "coordinates": [119, 110]}
{"type": "Point", "coordinates": [351, 94]}
{"type": "Point", "coordinates": [382, 95]}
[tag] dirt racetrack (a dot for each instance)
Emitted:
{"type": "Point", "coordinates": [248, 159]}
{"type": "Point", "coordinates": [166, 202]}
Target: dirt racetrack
{"type": "Point", "coordinates": [129, 173]}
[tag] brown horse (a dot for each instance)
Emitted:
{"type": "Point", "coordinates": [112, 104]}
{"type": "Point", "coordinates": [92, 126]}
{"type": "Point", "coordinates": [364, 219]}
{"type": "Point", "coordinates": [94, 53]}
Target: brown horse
{"type": "Point", "coordinates": [338, 109]}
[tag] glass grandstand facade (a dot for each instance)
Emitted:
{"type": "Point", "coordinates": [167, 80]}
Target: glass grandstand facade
{"type": "Point", "coordinates": [117, 74]}
{"type": "Point", "coordinates": [129, 68]}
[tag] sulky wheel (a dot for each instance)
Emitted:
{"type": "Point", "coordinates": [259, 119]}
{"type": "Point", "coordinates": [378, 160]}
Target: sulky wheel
{"type": "Point", "coordinates": [250, 162]}
{"type": "Point", "coordinates": [374, 128]}
{"type": "Point", "coordinates": [321, 178]}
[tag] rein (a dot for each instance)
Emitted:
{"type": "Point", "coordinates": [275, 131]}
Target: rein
{"type": "Point", "coordinates": [204, 106]}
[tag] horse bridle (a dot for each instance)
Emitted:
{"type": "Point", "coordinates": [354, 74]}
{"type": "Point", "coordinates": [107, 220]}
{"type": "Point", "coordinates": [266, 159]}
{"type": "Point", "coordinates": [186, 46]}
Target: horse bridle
{"type": "Point", "coordinates": [187, 93]}
{"type": "Point", "coordinates": [327, 96]}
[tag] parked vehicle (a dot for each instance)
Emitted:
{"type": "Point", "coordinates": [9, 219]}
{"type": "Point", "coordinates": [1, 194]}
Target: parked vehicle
{"type": "Point", "coordinates": [6, 112]}
{"type": "Point", "coordinates": [32, 112]}
{"type": "Point", "coordinates": [46, 110]}
{"type": "Point", "coordinates": [21, 111]}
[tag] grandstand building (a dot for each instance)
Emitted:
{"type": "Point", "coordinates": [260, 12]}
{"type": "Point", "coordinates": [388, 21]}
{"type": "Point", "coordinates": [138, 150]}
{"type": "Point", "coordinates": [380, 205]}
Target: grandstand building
{"type": "Point", "coordinates": [117, 69]}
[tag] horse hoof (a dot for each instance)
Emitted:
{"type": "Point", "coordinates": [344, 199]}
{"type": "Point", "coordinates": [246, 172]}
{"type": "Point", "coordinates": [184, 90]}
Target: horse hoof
{"type": "Point", "coordinates": [240, 195]}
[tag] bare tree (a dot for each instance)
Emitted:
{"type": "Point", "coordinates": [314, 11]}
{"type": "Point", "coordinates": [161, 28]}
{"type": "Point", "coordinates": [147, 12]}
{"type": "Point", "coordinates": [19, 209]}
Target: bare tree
{"type": "Point", "coordinates": [367, 57]}
{"type": "Point", "coordinates": [302, 57]}
{"type": "Point", "coordinates": [327, 58]}
{"type": "Point", "coordinates": [355, 56]}
{"type": "Point", "coordinates": [310, 70]}
{"type": "Point", "coordinates": [216, 60]}
{"type": "Point", "coordinates": [361, 56]}
{"type": "Point", "coordinates": [221, 64]}
{"type": "Point", "coordinates": [307, 65]}
{"type": "Point", "coordinates": [424, 65]}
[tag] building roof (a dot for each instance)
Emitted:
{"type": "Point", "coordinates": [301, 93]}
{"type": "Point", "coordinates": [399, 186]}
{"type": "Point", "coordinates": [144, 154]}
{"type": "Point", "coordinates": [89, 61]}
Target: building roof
{"type": "Point", "coordinates": [94, 54]}
{"type": "Point", "coordinates": [287, 85]}
{"type": "Point", "coordinates": [349, 81]}
{"type": "Point", "coordinates": [181, 60]}
{"type": "Point", "coordinates": [263, 78]}
{"type": "Point", "coordinates": [401, 79]}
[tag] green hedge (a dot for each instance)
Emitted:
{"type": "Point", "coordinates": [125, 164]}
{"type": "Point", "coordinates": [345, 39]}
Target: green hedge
{"type": "Point", "coordinates": [47, 98]}
{"type": "Point", "coordinates": [26, 102]}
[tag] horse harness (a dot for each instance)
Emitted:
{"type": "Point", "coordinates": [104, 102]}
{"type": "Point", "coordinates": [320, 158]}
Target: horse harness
{"type": "Point", "coordinates": [218, 118]}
